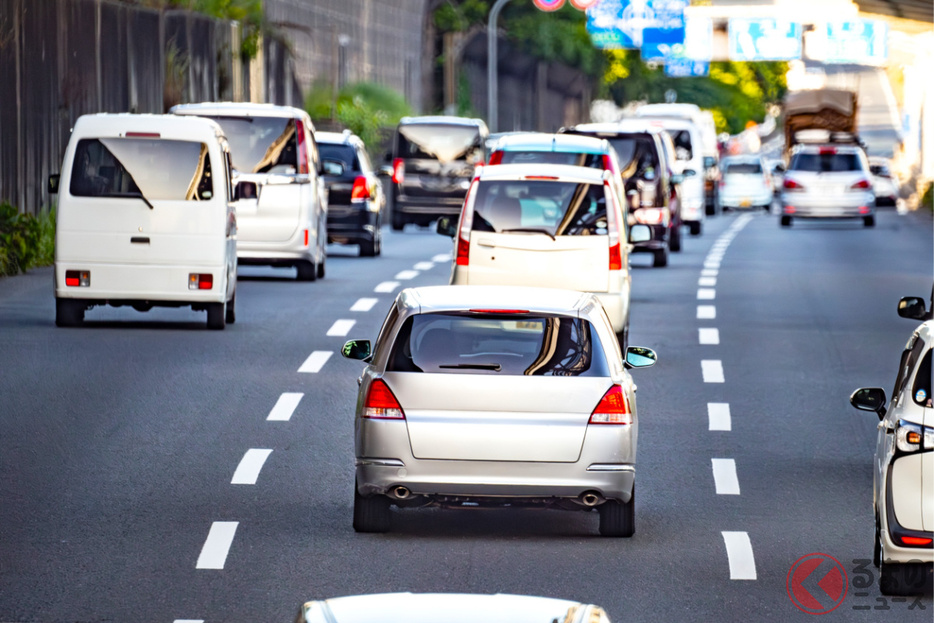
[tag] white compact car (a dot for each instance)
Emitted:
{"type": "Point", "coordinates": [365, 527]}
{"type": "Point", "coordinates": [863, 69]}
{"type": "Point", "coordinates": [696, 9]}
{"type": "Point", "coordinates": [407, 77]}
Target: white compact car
{"type": "Point", "coordinates": [903, 469]}
{"type": "Point", "coordinates": [744, 183]}
{"type": "Point", "coordinates": [827, 181]}
{"type": "Point", "coordinates": [145, 218]}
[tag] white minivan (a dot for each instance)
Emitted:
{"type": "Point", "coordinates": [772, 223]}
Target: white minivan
{"type": "Point", "coordinates": [145, 218]}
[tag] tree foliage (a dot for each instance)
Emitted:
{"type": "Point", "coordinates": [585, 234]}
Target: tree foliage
{"type": "Point", "coordinates": [364, 108]}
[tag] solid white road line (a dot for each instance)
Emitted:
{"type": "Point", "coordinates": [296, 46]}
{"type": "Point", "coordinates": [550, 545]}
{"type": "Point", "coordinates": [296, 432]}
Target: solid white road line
{"type": "Point", "coordinates": [341, 328]}
{"type": "Point", "coordinates": [407, 274]}
{"type": "Point", "coordinates": [364, 305]}
{"type": "Point", "coordinates": [706, 312]}
{"type": "Point", "coordinates": [739, 551]}
{"type": "Point", "coordinates": [424, 266]}
{"type": "Point", "coordinates": [386, 286]}
{"type": "Point", "coordinates": [724, 476]}
{"type": "Point", "coordinates": [250, 465]}
{"type": "Point", "coordinates": [285, 407]}
{"type": "Point", "coordinates": [708, 336]}
{"type": "Point", "coordinates": [707, 281]}
{"type": "Point", "coordinates": [712, 370]}
{"type": "Point", "coordinates": [316, 361]}
{"type": "Point", "coordinates": [718, 415]}
{"type": "Point", "coordinates": [706, 294]}
{"type": "Point", "coordinates": [214, 553]}
{"type": "Point", "coordinates": [709, 272]}
{"type": "Point", "coordinates": [441, 258]}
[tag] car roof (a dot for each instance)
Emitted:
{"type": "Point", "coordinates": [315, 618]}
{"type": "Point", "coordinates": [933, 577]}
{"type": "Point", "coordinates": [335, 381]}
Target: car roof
{"type": "Point", "coordinates": [239, 109]}
{"type": "Point", "coordinates": [817, 147]}
{"type": "Point", "coordinates": [443, 119]}
{"type": "Point", "coordinates": [343, 138]}
{"type": "Point", "coordinates": [670, 123]}
{"type": "Point", "coordinates": [624, 126]}
{"type": "Point", "coordinates": [541, 141]}
{"type": "Point", "coordinates": [561, 172]}
{"type": "Point", "coordinates": [165, 126]}
{"type": "Point", "coordinates": [454, 298]}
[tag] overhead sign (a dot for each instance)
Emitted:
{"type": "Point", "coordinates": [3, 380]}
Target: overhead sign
{"type": "Point", "coordinates": [663, 34]}
{"type": "Point", "coordinates": [861, 41]}
{"type": "Point", "coordinates": [686, 68]}
{"type": "Point", "coordinates": [633, 24]}
{"type": "Point", "coordinates": [764, 39]}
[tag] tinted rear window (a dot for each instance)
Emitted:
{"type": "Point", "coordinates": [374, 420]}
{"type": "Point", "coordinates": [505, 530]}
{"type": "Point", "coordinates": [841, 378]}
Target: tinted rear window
{"type": "Point", "coordinates": [554, 207]}
{"type": "Point", "coordinates": [443, 142]}
{"type": "Point", "coordinates": [826, 163]}
{"type": "Point", "coordinates": [342, 153]}
{"type": "Point", "coordinates": [744, 167]}
{"type": "Point", "coordinates": [682, 141]}
{"type": "Point", "coordinates": [510, 344]}
{"type": "Point", "coordinates": [261, 144]}
{"type": "Point", "coordinates": [594, 161]}
{"type": "Point", "coordinates": [637, 155]}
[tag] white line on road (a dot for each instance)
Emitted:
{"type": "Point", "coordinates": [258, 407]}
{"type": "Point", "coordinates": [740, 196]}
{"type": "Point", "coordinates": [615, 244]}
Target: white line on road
{"type": "Point", "coordinates": [341, 328]}
{"type": "Point", "coordinates": [712, 264]}
{"type": "Point", "coordinates": [708, 336]}
{"type": "Point", "coordinates": [739, 551]}
{"type": "Point", "coordinates": [386, 286]}
{"type": "Point", "coordinates": [407, 274]}
{"type": "Point", "coordinates": [316, 361]}
{"type": "Point", "coordinates": [188, 621]}
{"type": "Point", "coordinates": [364, 305]}
{"type": "Point", "coordinates": [285, 407]}
{"type": "Point", "coordinates": [441, 258]}
{"type": "Point", "coordinates": [718, 415]}
{"type": "Point", "coordinates": [706, 294]}
{"type": "Point", "coordinates": [710, 272]}
{"type": "Point", "coordinates": [214, 553]}
{"type": "Point", "coordinates": [250, 465]}
{"type": "Point", "coordinates": [707, 281]}
{"type": "Point", "coordinates": [424, 266]}
{"type": "Point", "coordinates": [724, 476]}
{"type": "Point", "coordinates": [712, 370]}
{"type": "Point", "coordinates": [706, 312]}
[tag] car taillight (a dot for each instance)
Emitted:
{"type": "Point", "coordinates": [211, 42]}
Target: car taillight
{"type": "Point", "coordinates": [613, 223]}
{"type": "Point", "coordinates": [649, 216]}
{"type": "Point", "coordinates": [77, 278]}
{"type": "Point", "coordinates": [613, 408]}
{"type": "Point", "coordinates": [306, 237]}
{"type": "Point", "coordinates": [827, 151]}
{"type": "Point", "coordinates": [302, 147]}
{"type": "Point", "coordinates": [381, 403]}
{"type": "Point", "coordinates": [496, 157]}
{"type": "Point", "coordinates": [915, 541]}
{"type": "Point", "coordinates": [361, 190]}
{"type": "Point", "coordinates": [861, 185]}
{"type": "Point", "coordinates": [200, 281]}
{"type": "Point", "coordinates": [499, 311]}
{"type": "Point", "coordinates": [398, 171]}
{"type": "Point", "coordinates": [616, 257]}
{"type": "Point", "coordinates": [462, 257]}
{"type": "Point", "coordinates": [790, 184]}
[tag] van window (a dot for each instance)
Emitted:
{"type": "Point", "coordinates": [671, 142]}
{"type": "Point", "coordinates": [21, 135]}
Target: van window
{"type": "Point", "coordinates": [443, 142]}
{"type": "Point", "coordinates": [261, 144]}
{"type": "Point", "coordinates": [593, 161]}
{"type": "Point", "coordinates": [510, 344]}
{"type": "Point", "coordinates": [345, 154]}
{"type": "Point", "coordinates": [682, 140]}
{"type": "Point", "coordinates": [637, 155]}
{"type": "Point", "coordinates": [556, 208]}
{"type": "Point", "coordinates": [155, 168]}
{"type": "Point", "coordinates": [826, 163]}
{"type": "Point", "coordinates": [744, 167]}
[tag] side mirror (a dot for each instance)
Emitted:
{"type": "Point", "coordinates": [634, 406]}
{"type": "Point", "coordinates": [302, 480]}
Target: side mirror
{"type": "Point", "coordinates": [446, 227]}
{"type": "Point", "coordinates": [54, 181]}
{"type": "Point", "coordinates": [709, 162]}
{"type": "Point", "coordinates": [676, 178]}
{"type": "Point", "coordinates": [869, 399]}
{"type": "Point", "coordinates": [357, 349]}
{"type": "Point", "coordinates": [333, 167]}
{"type": "Point", "coordinates": [689, 172]}
{"type": "Point", "coordinates": [780, 168]}
{"type": "Point", "coordinates": [640, 357]}
{"type": "Point", "coordinates": [912, 307]}
{"type": "Point", "coordinates": [385, 171]}
{"type": "Point", "coordinates": [640, 233]}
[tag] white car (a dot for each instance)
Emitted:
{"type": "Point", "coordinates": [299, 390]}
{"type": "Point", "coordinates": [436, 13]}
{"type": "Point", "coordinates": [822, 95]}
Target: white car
{"type": "Point", "coordinates": [903, 468]}
{"type": "Point", "coordinates": [827, 181]}
{"type": "Point", "coordinates": [884, 184]}
{"type": "Point", "coordinates": [744, 183]}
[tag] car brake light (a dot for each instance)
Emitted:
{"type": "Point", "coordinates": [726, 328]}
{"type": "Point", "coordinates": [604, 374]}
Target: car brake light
{"type": "Point", "coordinates": [306, 237]}
{"type": "Point", "coordinates": [540, 177]}
{"type": "Point", "coordinates": [200, 281]}
{"type": "Point", "coordinates": [825, 151]}
{"type": "Point", "coordinates": [616, 257]}
{"type": "Point", "coordinates": [864, 210]}
{"type": "Point", "coordinates": [398, 171]}
{"type": "Point", "coordinates": [499, 311]}
{"type": "Point", "coordinates": [790, 184]}
{"type": "Point", "coordinates": [607, 163]}
{"type": "Point", "coordinates": [861, 185]}
{"type": "Point", "coordinates": [143, 135]}
{"type": "Point", "coordinates": [381, 403]}
{"type": "Point", "coordinates": [613, 408]}
{"type": "Point", "coordinates": [463, 235]}
{"type": "Point", "coordinates": [496, 157]}
{"type": "Point", "coordinates": [917, 541]}
{"type": "Point", "coordinates": [790, 210]}
{"type": "Point", "coordinates": [613, 219]}
{"type": "Point", "coordinates": [302, 147]}
{"type": "Point", "coordinates": [361, 190]}
{"type": "Point", "coordinates": [77, 278]}
{"type": "Point", "coordinates": [649, 216]}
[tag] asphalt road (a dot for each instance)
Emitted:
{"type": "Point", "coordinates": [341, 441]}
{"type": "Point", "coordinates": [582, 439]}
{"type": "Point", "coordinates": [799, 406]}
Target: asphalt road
{"type": "Point", "coordinates": [119, 442]}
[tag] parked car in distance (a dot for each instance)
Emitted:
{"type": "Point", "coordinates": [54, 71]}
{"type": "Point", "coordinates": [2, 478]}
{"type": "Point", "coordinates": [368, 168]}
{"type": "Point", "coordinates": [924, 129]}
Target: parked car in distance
{"type": "Point", "coordinates": [827, 181]}
{"type": "Point", "coordinates": [281, 199]}
{"type": "Point", "coordinates": [493, 396]}
{"type": "Point", "coordinates": [144, 218]}
{"type": "Point", "coordinates": [433, 160]}
{"type": "Point", "coordinates": [903, 494]}
{"type": "Point", "coordinates": [884, 184]}
{"type": "Point", "coordinates": [449, 608]}
{"type": "Point", "coordinates": [355, 195]}
{"type": "Point", "coordinates": [745, 183]}
{"type": "Point", "coordinates": [776, 169]}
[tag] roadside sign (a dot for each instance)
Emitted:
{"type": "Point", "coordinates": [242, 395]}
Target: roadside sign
{"type": "Point", "coordinates": [654, 26]}
{"type": "Point", "coordinates": [861, 41]}
{"type": "Point", "coordinates": [765, 39]}
{"type": "Point", "coordinates": [663, 34]}
{"type": "Point", "coordinates": [686, 68]}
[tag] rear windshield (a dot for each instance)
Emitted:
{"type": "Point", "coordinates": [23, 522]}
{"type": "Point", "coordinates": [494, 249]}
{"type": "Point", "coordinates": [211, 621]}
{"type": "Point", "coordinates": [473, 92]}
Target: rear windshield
{"type": "Point", "coordinates": [443, 142]}
{"type": "Point", "coordinates": [511, 344]}
{"type": "Point", "coordinates": [153, 168]}
{"type": "Point", "coordinates": [593, 161]}
{"type": "Point", "coordinates": [682, 141]}
{"type": "Point", "coordinates": [261, 144]}
{"type": "Point", "coordinates": [744, 167]}
{"type": "Point", "coordinates": [345, 154]}
{"type": "Point", "coordinates": [554, 208]}
{"type": "Point", "coordinates": [637, 155]}
{"type": "Point", "coordinates": [826, 163]}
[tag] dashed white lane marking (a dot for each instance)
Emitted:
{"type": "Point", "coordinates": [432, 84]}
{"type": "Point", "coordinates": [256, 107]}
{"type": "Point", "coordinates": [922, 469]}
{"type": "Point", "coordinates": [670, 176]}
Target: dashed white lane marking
{"type": "Point", "coordinates": [188, 621]}
{"type": "Point", "coordinates": [707, 281]}
{"type": "Point", "coordinates": [214, 553]}
{"type": "Point", "coordinates": [386, 286]}
{"type": "Point", "coordinates": [710, 272]}
{"type": "Point", "coordinates": [285, 407]}
{"type": "Point", "coordinates": [250, 465]}
{"type": "Point", "coordinates": [424, 266]}
{"type": "Point", "coordinates": [718, 416]}
{"type": "Point", "coordinates": [724, 476]}
{"type": "Point", "coordinates": [316, 361]}
{"type": "Point", "coordinates": [706, 294]}
{"type": "Point", "coordinates": [341, 328]}
{"type": "Point", "coordinates": [441, 258]}
{"type": "Point", "coordinates": [712, 370]}
{"type": "Point", "coordinates": [708, 336]}
{"type": "Point", "coordinates": [706, 312]}
{"type": "Point", "coordinates": [711, 263]}
{"type": "Point", "coordinates": [739, 552]}
{"type": "Point", "coordinates": [364, 305]}
{"type": "Point", "coordinates": [407, 274]}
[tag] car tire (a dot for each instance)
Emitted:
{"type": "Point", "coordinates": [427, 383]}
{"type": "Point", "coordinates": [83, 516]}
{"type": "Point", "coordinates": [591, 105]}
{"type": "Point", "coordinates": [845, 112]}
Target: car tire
{"type": "Point", "coordinates": [319, 269]}
{"type": "Point", "coordinates": [397, 221]}
{"type": "Point", "coordinates": [370, 514]}
{"type": "Point", "coordinates": [696, 228]}
{"type": "Point", "coordinates": [618, 519]}
{"type": "Point", "coordinates": [869, 221]}
{"type": "Point", "coordinates": [674, 239]}
{"type": "Point", "coordinates": [785, 221]}
{"type": "Point", "coordinates": [368, 248]}
{"type": "Point", "coordinates": [907, 578]}
{"type": "Point", "coordinates": [660, 257]}
{"type": "Point", "coordinates": [217, 316]}
{"type": "Point", "coordinates": [69, 312]}
{"type": "Point", "coordinates": [231, 314]}
{"type": "Point", "coordinates": [306, 271]}
{"type": "Point", "coordinates": [877, 547]}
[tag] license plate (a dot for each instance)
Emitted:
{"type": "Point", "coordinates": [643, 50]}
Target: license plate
{"type": "Point", "coordinates": [745, 203]}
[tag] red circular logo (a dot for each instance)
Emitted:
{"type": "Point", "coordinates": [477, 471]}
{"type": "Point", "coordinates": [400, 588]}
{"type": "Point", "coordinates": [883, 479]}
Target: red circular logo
{"type": "Point", "coordinates": [817, 583]}
{"type": "Point", "coordinates": [548, 5]}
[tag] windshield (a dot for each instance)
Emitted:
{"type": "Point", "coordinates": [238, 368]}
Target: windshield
{"type": "Point", "coordinates": [826, 163]}
{"type": "Point", "coordinates": [637, 156]}
{"type": "Point", "coordinates": [594, 161]}
{"type": "Point", "coordinates": [744, 167]}
{"type": "Point", "coordinates": [512, 344]}
{"type": "Point", "coordinates": [554, 208]}
{"type": "Point", "coordinates": [444, 142]}
{"type": "Point", "coordinates": [261, 144]}
{"type": "Point", "coordinates": [154, 168]}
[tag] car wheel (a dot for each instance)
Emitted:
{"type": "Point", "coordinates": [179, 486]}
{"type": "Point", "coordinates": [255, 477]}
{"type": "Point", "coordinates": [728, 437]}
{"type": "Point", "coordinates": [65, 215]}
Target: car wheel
{"type": "Point", "coordinates": [69, 312]}
{"type": "Point", "coordinates": [231, 315]}
{"type": "Point", "coordinates": [319, 270]}
{"type": "Point", "coordinates": [907, 578]}
{"type": "Point", "coordinates": [379, 242]}
{"type": "Point", "coordinates": [869, 221]}
{"type": "Point", "coordinates": [306, 271]}
{"type": "Point", "coordinates": [368, 248]}
{"type": "Point", "coordinates": [660, 257]}
{"type": "Point", "coordinates": [695, 228]}
{"type": "Point", "coordinates": [617, 518]}
{"type": "Point", "coordinates": [370, 514]}
{"type": "Point", "coordinates": [217, 316]}
{"type": "Point", "coordinates": [674, 240]}
{"type": "Point", "coordinates": [785, 221]}
{"type": "Point", "coordinates": [397, 221]}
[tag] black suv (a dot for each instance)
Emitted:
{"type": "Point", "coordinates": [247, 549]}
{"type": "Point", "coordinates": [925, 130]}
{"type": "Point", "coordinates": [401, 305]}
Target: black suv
{"type": "Point", "coordinates": [433, 161]}
{"type": "Point", "coordinates": [355, 196]}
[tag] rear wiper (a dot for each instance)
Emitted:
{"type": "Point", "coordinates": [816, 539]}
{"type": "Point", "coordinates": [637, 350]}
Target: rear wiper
{"type": "Point", "coordinates": [531, 230]}
{"type": "Point", "coordinates": [135, 196]}
{"type": "Point", "coordinates": [474, 366]}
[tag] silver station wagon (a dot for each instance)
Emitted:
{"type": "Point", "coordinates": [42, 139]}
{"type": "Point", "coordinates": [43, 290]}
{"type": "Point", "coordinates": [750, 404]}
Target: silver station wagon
{"type": "Point", "coordinates": [496, 395]}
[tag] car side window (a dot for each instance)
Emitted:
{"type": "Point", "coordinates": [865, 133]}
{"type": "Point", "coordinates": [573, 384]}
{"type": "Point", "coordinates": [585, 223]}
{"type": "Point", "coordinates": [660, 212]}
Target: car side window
{"type": "Point", "coordinates": [388, 324]}
{"type": "Point", "coordinates": [909, 359]}
{"type": "Point", "coordinates": [921, 390]}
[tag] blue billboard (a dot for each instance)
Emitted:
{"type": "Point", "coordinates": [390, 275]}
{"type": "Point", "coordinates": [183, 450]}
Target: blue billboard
{"type": "Point", "coordinates": [686, 68]}
{"type": "Point", "coordinates": [663, 35]}
{"type": "Point", "coordinates": [764, 39]}
{"type": "Point", "coordinates": [653, 26]}
{"type": "Point", "coordinates": [861, 41]}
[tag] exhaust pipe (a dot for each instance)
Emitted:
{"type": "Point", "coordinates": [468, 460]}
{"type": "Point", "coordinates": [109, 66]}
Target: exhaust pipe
{"type": "Point", "coordinates": [401, 493]}
{"type": "Point", "coordinates": [591, 498]}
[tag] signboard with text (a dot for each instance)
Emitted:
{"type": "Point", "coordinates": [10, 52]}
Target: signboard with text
{"type": "Point", "coordinates": [765, 39]}
{"type": "Point", "coordinates": [861, 41]}
{"type": "Point", "coordinates": [686, 68]}
{"type": "Point", "coordinates": [653, 26]}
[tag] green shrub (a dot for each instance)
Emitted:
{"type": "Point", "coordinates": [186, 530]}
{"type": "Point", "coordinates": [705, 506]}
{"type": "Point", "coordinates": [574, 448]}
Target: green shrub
{"type": "Point", "coordinates": [927, 199]}
{"type": "Point", "coordinates": [25, 240]}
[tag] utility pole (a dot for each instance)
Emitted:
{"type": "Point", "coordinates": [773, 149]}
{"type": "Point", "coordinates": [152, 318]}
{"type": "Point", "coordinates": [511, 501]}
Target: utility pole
{"type": "Point", "coordinates": [492, 61]}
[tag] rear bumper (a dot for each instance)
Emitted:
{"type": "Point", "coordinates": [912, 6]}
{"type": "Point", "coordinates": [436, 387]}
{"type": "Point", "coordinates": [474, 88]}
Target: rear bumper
{"type": "Point", "coordinates": [746, 200]}
{"type": "Point", "coordinates": [849, 205]}
{"type": "Point", "coordinates": [127, 283]}
{"type": "Point", "coordinates": [349, 224]}
{"type": "Point", "coordinates": [262, 253]}
{"type": "Point", "coordinates": [434, 205]}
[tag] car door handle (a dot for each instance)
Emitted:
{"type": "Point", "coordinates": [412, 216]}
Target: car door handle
{"type": "Point", "coordinates": [140, 240]}
{"type": "Point", "coordinates": [486, 242]}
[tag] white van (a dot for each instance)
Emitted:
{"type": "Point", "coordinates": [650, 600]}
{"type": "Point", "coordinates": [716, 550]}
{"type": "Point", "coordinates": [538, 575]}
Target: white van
{"type": "Point", "coordinates": [281, 198]}
{"type": "Point", "coordinates": [145, 218]}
